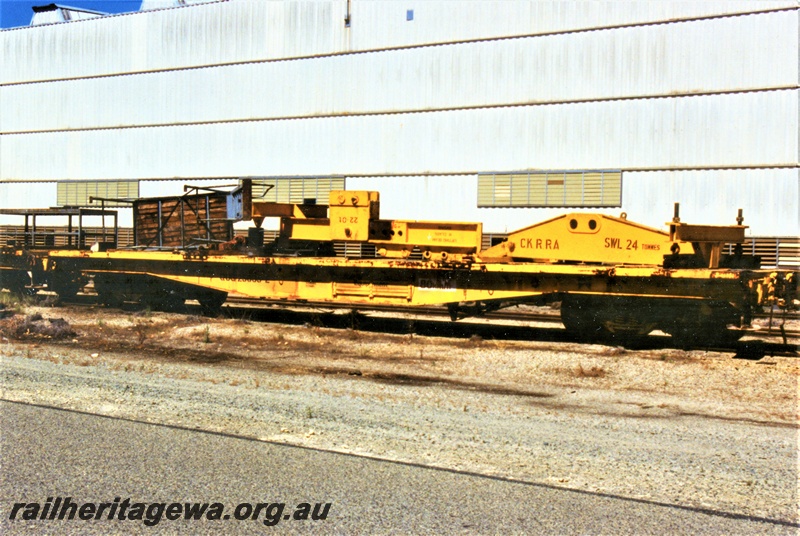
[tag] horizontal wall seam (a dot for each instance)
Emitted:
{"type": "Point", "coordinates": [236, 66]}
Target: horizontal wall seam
{"type": "Point", "coordinates": [410, 112]}
{"type": "Point", "coordinates": [415, 46]}
{"type": "Point", "coordinates": [740, 167]}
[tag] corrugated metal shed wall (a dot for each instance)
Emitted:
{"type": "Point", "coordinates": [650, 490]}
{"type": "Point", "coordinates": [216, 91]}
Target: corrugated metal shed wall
{"type": "Point", "coordinates": [710, 197]}
{"type": "Point", "coordinates": [748, 52]}
{"type": "Point", "coordinates": [163, 4]}
{"type": "Point", "coordinates": [747, 129]}
{"type": "Point", "coordinates": [251, 30]}
{"type": "Point", "coordinates": [188, 36]}
{"type": "Point", "coordinates": [451, 21]}
{"type": "Point", "coordinates": [637, 81]}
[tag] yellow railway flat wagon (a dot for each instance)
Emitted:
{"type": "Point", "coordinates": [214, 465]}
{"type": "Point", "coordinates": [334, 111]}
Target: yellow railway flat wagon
{"type": "Point", "coordinates": [22, 257]}
{"type": "Point", "coordinates": [595, 299]}
{"type": "Point", "coordinates": [610, 275]}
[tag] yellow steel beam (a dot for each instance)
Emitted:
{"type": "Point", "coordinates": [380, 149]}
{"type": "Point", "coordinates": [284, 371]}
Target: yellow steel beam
{"type": "Point", "coordinates": [592, 238]}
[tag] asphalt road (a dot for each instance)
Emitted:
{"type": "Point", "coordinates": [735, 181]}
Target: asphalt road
{"type": "Point", "coordinates": [51, 453]}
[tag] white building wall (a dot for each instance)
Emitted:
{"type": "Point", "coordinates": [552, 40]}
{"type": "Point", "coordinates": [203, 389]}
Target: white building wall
{"type": "Point", "coordinates": [746, 53]}
{"type": "Point", "coordinates": [148, 5]}
{"type": "Point", "coordinates": [769, 197]}
{"type": "Point", "coordinates": [255, 30]}
{"type": "Point", "coordinates": [731, 130]}
{"type": "Point", "coordinates": [275, 89]}
{"type": "Point", "coordinates": [383, 23]}
{"type": "Point", "coordinates": [708, 197]}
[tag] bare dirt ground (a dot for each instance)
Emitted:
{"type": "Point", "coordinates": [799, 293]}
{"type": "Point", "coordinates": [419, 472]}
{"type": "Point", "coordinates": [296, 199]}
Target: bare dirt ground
{"type": "Point", "coordinates": [693, 428]}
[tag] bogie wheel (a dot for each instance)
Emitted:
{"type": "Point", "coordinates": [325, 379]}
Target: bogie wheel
{"type": "Point", "coordinates": [703, 335]}
{"type": "Point", "coordinates": [580, 319]}
{"type": "Point", "coordinates": [211, 302]}
{"type": "Point", "coordinates": [65, 285]}
{"type": "Point", "coordinates": [109, 290]}
{"type": "Point", "coordinates": [156, 294]}
{"type": "Point", "coordinates": [15, 281]}
{"type": "Point", "coordinates": [604, 318]}
{"type": "Point", "coordinates": [168, 302]}
{"type": "Point", "coordinates": [704, 325]}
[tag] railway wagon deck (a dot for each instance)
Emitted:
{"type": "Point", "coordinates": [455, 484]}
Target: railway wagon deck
{"type": "Point", "coordinates": [686, 302]}
{"type": "Point", "coordinates": [611, 275]}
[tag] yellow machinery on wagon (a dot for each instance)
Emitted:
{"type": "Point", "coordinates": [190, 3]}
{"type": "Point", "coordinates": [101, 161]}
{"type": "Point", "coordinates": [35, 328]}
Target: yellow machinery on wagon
{"type": "Point", "coordinates": [354, 216]}
{"type": "Point", "coordinates": [611, 275]}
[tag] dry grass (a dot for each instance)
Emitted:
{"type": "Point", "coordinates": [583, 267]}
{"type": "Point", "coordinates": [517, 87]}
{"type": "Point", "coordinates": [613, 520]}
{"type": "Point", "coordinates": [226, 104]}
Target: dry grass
{"type": "Point", "coordinates": [352, 334]}
{"type": "Point", "coordinates": [11, 304]}
{"type": "Point", "coordinates": [473, 342]}
{"type": "Point", "coordinates": [141, 332]}
{"type": "Point", "coordinates": [594, 371]}
{"type": "Point", "coordinates": [675, 356]}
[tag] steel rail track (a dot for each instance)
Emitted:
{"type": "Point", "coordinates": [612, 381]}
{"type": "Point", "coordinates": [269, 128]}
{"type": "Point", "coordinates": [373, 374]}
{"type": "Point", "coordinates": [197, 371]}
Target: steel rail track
{"type": "Point", "coordinates": [515, 315]}
{"type": "Point", "coordinates": [417, 310]}
{"type": "Point", "coordinates": [553, 317]}
{"type": "Point", "coordinates": [237, 307]}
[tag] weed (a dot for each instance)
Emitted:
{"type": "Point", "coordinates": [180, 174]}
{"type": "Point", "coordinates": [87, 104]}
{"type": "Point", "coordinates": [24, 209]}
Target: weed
{"type": "Point", "coordinates": [243, 319]}
{"type": "Point", "coordinates": [51, 301]}
{"type": "Point", "coordinates": [315, 320]}
{"type": "Point", "coordinates": [141, 332]}
{"type": "Point", "coordinates": [355, 319]}
{"type": "Point", "coordinates": [207, 335]}
{"type": "Point", "coordinates": [29, 300]}
{"type": "Point", "coordinates": [12, 303]}
{"type": "Point", "coordinates": [352, 334]}
{"type": "Point", "coordinates": [309, 412]}
{"type": "Point", "coordinates": [145, 313]}
{"type": "Point", "coordinates": [474, 341]}
{"type": "Point", "coordinates": [676, 356]}
{"type": "Point", "coordinates": [411, 328]}
{"type": "Point", "coordinates": [591, 372]}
